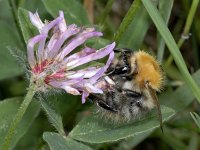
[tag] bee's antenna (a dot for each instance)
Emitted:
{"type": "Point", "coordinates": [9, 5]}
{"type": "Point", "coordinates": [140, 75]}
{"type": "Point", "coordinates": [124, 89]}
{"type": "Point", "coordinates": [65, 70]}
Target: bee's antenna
{"type": "Point", "coordinates": [155, 98]}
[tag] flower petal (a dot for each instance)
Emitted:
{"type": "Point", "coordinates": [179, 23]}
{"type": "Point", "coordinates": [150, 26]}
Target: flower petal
{"type": "Point", "coordinates": [45, 29]}
{"type": "Point", "coordinates": [85, 73]}
{"type": "Point", "coordinates": [77, 41]}
{"type": "Point", "coordinates": [60, 39]}
{"type": "Point", "coordinates": [30, 48]}
{"type": "Point", "coordinates": [84, 96]}
{"type": "Point", "coordinates": [109, 80]}
{"type": "Point", "coordinates": [62, 25]}
{"type": "Point", "coordinates": [86, 51]}
{"type": "Point", "coordinates": [92, 89]}
{"type": "Point", "coordinates": [65, 82]}
{"type": "Point", "coordinates": [71, 90]}
{"type": "Point", "coordinates": [36, 21]}
{"type": "Point", "coordinates": [94, 56]}
{"type": "Point", "coordinates": [103, 69]}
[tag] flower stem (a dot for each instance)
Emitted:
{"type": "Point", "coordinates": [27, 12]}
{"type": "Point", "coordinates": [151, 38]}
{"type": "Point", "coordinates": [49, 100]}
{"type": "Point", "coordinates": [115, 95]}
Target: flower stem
{"type": "Point", "coordinates": [106, 11]}
{"type": "Point", "coordinates": [127, 20]}
{"type": "Point", "coordinates": [18, 116]}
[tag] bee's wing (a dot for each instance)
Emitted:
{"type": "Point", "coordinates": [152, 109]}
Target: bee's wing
{"type": "Point", "coordinates": [155, 98]}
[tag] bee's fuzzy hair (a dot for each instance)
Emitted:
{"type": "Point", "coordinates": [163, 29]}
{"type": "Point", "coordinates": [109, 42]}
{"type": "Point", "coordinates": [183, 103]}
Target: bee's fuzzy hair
{"type": "Point", "coordinates": [116, 118]}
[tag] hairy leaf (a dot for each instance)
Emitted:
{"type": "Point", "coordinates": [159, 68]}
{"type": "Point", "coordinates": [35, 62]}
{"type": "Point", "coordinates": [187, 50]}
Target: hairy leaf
{"type": "Point", "coordinates": [95, 130]}
{"type": "Point", "coordinates": [8, 109]}
{"type": "Point", "coordinates": [9, 38]}
{"type": "Point", "coordinates": [53, 116]}
{"type": "Point", "coordinates": [58, 142]}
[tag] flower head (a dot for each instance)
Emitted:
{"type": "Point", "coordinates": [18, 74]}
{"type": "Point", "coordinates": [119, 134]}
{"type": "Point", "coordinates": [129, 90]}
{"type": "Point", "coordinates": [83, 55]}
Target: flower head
{"type": "Point", "coordinates": [53, 64]}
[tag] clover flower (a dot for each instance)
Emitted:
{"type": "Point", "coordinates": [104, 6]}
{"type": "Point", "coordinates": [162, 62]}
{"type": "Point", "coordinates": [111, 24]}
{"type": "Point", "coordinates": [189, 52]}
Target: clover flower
{"type": "Point", "coordinates": [53, 65]}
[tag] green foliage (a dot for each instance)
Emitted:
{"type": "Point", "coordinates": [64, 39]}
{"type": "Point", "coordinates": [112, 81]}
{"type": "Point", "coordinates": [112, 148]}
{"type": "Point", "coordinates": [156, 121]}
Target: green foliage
{"type": "Point", "coordinates": [174, 50]}
{"type": "Point", "coordinates": [78, 130]}
{"type": "Point", "coordinates": [9, 38]}
{"type": "Point", "coordinates": [181, 97]}
{"type": "Point", "coordinates": [165, 8]}
{"type": "Point", "coordinates": [94, 130]}
{"type": "Point", "coordinates": [73, 10]}
{"type": "Point", "coordinates": [127, 20]}
{"type": "Point", "coordinates": [136, 31]}
{"type": "Point", "coordinates": [196, 118]}
{"type": "Point", "coordinates": [53, 116]}
{"type": "Point", "coordinates": [58, 142]}
{"type": "Point", "coordinates": [8, 108]}
{"type": "Point", "coordinates": [28, 30]}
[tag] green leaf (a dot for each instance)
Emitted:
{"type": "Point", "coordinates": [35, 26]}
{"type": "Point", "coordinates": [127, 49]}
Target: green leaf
{"type": "Point", "coordinates": [58, 142]}
{"type": "Point", "coordinates": [196, 118]}
{"type": "Point", "coordinates": [9, 38]}
{"type": "Point", "coordinates": [5, 12]}
{"type": "Point", "coordinates": [95, 130]}
{"type": "Point", "coordinates": [172, 72]}
{"type": "Point", "coordinates": [73, 10]}
{"type": "Point", "coordinates": [175, 143]}
{"type": "Point", "coordinates": [194, 142]}
{"type": "Point", "coordinates": [136, 31]}
{"type": "Point", "coordinates": [8, 109]}
{"type": "Point", "coordinates": [131, 142]}
{"type": "Point", "coordinates": [53, 116]}
{"type": "Point", "coordinates": [181, 97]}
{"type": "Point", "coordinates": [28, 30]}
{"type": "Point", "coordinates": [173, 48]}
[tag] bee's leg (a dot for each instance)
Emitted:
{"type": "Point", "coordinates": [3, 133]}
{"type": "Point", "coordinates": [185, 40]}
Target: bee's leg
{"type": "Point", "coordinates": [103, 105]}
{"type": "Point", "coordinates": [101, 102]}
{"type": "Point", "coordinates": [110, 71]}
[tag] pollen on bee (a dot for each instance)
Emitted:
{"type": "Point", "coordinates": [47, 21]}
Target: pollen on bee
{"type": "Point", "coordinates": [148, 70]}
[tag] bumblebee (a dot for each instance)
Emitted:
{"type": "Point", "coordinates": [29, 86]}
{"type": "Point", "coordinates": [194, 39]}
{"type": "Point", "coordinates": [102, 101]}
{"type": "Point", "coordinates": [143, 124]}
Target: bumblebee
{"type": "Point", "coordinates": [137, 77]}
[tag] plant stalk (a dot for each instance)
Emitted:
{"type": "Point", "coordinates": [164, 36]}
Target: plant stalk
{"type": "Point", "coordinates": [106, 11]}
{"type": "Point", "coordinates": [127, 20]}
{"type": "Point", "coordinates": [18, 117]}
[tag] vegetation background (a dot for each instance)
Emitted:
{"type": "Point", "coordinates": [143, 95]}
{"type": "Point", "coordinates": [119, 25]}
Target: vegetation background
{"type": "Point", "coordinates": [61, 121]}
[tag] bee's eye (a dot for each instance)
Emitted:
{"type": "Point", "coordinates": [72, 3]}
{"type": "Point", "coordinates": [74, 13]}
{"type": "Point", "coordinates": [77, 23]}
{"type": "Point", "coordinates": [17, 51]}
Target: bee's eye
{"type": "Point", "coordinates": [121, 70]}
{"type": "Point", "coordinates": [125, 68]}
{"type": "Point", "coordinates": [132, 94]}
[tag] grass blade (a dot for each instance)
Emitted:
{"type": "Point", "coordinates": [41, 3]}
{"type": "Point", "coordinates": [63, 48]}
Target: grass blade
{"type": "Point", "coordinates": [165, 8]}
{"type": "Point", "coordinates": [185, 35]}
{"type": "Point", "coordinates": [136, 31]}
{"type": "Point", "coordinates": [196, 118]}
{"type": "Point", "coordinates": [173, 48]}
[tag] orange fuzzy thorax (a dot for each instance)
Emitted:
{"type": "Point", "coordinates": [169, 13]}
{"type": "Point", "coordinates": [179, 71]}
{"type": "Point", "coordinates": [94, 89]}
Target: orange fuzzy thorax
{"type": "Point", "coordinates": [148, 70]}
